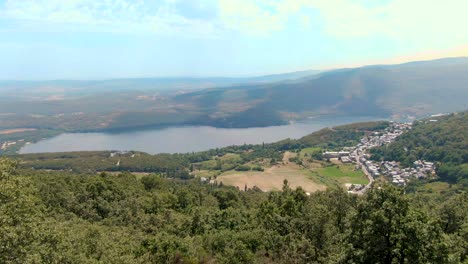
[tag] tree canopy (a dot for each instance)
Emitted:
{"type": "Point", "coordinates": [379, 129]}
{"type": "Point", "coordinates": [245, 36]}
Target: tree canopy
{"type": "Point", "coordinates": [64, 217]}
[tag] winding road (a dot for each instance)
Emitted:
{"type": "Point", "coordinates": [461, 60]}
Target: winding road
{"type": "Point", "coordinates": [369, 176]}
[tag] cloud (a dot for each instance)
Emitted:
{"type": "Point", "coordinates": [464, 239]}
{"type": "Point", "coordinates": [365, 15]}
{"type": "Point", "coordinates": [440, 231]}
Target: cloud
{"type": "Point", "coordinates": [263, 17]}
{"type": "Point", "coordinates": [404, 24]}
{"type": "Point", "coordinates": [251, 17]}
{"type": "Point", "coordinates": [436, 23]}
{"type": "Point", "coordinates": [398, 19]}
{"type": "Point", "coordinates": [130, 16]}
{"type": "Point", "coordinates": [203, 17]}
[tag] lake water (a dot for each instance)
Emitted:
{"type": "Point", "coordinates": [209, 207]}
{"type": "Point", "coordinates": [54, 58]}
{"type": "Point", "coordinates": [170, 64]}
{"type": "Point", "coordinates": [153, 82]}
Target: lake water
{"type": "Point", "coordinates": [184, 139]}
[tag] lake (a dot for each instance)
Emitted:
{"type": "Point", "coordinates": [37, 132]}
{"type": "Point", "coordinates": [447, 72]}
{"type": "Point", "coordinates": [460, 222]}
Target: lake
{"type": "Point", "coordinates": [186, 138]}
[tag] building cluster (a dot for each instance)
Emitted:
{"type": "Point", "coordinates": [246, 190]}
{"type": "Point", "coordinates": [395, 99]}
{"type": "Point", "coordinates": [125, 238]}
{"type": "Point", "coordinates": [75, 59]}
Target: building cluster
{"type": "Point", "coordinates": [359, 155]}
{"type": "Point", "coordinates": [336, 154]}
{"type": "Point", "coordinates": [400, 176]}
{"type": "Point", "coordinates": [353, 188]}
{"type": "Point", "coordinates": [7, 144]}
{"type": "Point", "coordinates": [117, 153]}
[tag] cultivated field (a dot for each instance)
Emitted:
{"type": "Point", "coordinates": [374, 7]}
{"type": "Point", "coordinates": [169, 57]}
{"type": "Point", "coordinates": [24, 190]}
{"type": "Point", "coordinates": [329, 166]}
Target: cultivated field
{"type": "Point", "coordinates": [272, 178]}
{"type": "Point", "coordinates": [311, 176]}
{"type": "Point", "coordinates": [17, 130]}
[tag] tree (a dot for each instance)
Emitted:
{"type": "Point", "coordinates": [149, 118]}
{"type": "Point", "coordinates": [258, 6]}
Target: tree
{"type": "Point", "coordinates": [19, 216]}
{"type": "Point", "coordinates": [386, 229]}
{"type": "Point", "coordinates": [151, 181]}
{"type": "Point", "coordinates": [7, 168]}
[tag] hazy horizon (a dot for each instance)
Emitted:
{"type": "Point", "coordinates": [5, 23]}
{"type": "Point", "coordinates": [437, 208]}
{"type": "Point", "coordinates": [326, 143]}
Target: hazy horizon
{"type": "Point", "coordinates": [312, 71]}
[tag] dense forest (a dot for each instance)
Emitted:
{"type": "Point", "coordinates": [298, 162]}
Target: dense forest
{"type": "Point", "coordinates": [63, 217]}
{"type": "Point", "coordinates": [439, 139]}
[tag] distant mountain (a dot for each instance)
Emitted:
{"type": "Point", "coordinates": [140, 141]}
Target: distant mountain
{"type": "Point", "coordinates": [410, 89]}
{"type": "Point", "coordinates": [403, 91]}
{"type": "Point", "coordinates": [79, 105]}
{"type": "Point", "coordinates": [75, 88]}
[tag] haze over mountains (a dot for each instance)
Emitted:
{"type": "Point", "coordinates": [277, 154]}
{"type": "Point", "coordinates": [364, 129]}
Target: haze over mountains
{"type": "Point", "coordinates": [74, 88]}
{"type": "Point", "coordinates": [400, 91]}
{"type": "Point", "coordinates": [415, 89]}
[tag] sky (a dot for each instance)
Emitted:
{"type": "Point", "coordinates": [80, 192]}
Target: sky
{"type": "Point", "coordinates": [101, 39]}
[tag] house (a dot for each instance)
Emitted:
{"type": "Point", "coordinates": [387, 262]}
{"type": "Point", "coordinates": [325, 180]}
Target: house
{"type": "Point", "coordinates": [331, 154]}
{"type": "Point", "coordinates": [345, 160]}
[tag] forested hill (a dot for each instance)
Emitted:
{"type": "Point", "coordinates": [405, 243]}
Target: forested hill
{"type": "Point", "coordinates": [59, 217]}
{"type": "Point", "coordinates": [442, 139]}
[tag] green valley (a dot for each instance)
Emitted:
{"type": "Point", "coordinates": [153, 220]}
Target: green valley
{"type": "Point", "coordinates": [212, 206]}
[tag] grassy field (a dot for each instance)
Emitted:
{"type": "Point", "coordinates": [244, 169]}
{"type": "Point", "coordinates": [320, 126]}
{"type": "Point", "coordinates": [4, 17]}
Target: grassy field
{"type": "Point", "coordinates": [337, 175]}
{"type": "Point", "coordinates": [344, 173]}
{"type": "Point", "coordinates": [311, 176]}
{"type": "Point", "coordinates": [305, 151]}
{"type": "Point", "coordinates": [207, 173]}
{"type": "Point", "coordinates": [226, 161]}
{"type": "Point", "coordinates": [138, 175]}
{"type": "Point", "coordinates": [437, 187]}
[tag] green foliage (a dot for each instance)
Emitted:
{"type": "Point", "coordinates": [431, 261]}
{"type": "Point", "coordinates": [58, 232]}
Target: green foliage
{"type": "Point", "coordinates": [257, 168]}
{"type": "Point", "coordinates": [243, 168]}
{"type": "Point", "coordinates": [151, 181]}
{"type": "Point", "coordinates": [386, 229]}
{"type": "Point", "coordinates": [63, 217]}
{"type": "Point", "coordinates": [7, 167]}
{"type": "Point", "coordinates": [171, 165]}
{"type": "Point", "coordinates": [20, 217]}
{"type": "Point", "coordinates": [341, 136]}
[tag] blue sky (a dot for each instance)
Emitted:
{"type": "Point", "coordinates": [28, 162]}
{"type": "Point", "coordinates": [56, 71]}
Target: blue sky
{"type": "Point", "coordinates": [92, 39]}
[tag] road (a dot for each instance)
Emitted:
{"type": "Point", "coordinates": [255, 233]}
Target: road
{"type": "Point", "coordinates": [369, 176]}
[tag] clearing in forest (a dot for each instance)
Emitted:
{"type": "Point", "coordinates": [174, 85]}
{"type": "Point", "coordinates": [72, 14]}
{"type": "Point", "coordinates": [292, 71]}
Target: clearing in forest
{"type": "Point", "coordinates": [312, 175]}
{"type": "Point", "coordinates": [272, 178]}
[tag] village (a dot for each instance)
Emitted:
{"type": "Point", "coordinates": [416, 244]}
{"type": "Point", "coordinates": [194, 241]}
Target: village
{"type": "Point", "coordinates": [390, 170]}
{"type": "Point", "coordinates": [12, 145]}
{"type": "Point", "coordinates": [5, 145]}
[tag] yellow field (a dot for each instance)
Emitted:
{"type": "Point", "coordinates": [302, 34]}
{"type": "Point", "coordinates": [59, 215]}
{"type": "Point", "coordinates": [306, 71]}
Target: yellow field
{"type": "Point", "coordinates": [272, 178]}
{"type": "Point", "coordinates": [17, 130]}
{"type": "Point", "coordinates": [311, 176]}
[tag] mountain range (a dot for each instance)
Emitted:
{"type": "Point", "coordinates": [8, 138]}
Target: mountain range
{"type": "Point", "coordinates": [410, 89]}
{"type": "Point", "coordinates": [402, 91]}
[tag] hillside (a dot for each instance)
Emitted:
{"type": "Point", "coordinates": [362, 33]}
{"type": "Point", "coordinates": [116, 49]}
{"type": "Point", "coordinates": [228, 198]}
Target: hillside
{"type": "Point", "coordinates": [63, 217]}
{"type": "Point", "coordinates": [27, 90]}
{"type": "Point", "coordinates": [411, 89]}
{"type": "Point", "coordinates": [341, 136]}
{"type": "Point", "coordinates": [404, 91]}
{"type": "Point", "coordinates": [440, 139]}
